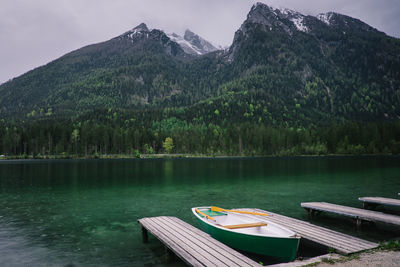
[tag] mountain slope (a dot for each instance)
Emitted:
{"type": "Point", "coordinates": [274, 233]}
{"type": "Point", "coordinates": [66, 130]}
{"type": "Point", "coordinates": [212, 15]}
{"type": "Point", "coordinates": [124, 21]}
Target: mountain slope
{"type": "Point", "coordinates": [332, 64]}
{"type": "Point", "coordinates": [139, 68]}
{"type": "Point", "coordinates": [282, 68]}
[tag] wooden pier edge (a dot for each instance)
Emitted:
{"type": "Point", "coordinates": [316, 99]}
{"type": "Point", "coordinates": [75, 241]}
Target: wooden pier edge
{"type": "Point", "coordinates": [341, 243]}
{"type": "Point", "coordinates": [359, 215]}
{"type": "Point", "coordinates": [197, 248]}
{"type": "Point", "coordinates": [372, 202]}
{"type": "Point", "coordinates": [193, 246]}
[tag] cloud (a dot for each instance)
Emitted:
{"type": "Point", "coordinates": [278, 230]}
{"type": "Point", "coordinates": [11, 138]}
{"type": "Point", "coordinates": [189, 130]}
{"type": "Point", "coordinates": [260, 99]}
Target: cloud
{"type": "Point", "coordinates": [32, 33]}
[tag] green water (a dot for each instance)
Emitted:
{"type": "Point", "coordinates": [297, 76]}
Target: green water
{"type": "Point", "coordinates": [85, 212]}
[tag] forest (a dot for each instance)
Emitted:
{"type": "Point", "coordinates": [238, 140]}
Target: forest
{"type": "Point", "coordinates": [92, 140]}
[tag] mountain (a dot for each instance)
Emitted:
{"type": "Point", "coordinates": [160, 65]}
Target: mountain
{"type": "Point", "coordinates": [142, 36]}
{"type": "Point", "coordinates": [139, 68]}
{"type": "Point", "coordinates": [283, 68]}
{"type": "Point", "coordinates": [193, 44]}
{"type": "Point", "coordinates": [329, 66]}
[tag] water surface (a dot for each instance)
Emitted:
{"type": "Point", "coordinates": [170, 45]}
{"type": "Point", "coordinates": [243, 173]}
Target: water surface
{"type": "Point", "coordinates": [84, 212]}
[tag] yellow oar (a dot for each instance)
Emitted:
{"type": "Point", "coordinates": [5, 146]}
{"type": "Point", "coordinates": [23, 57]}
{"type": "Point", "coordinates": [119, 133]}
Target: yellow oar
{"type": "Point", "coordinates": [238, 211]}
{"type": "Point", "coordinates": [205, 215]}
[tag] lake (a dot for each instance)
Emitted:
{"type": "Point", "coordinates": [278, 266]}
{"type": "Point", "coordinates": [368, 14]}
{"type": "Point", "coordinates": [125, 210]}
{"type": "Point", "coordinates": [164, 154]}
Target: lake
{"type": "Point", "coordinates": [84, 212]}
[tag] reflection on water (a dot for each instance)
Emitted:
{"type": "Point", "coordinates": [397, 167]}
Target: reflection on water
{"type": "Point", "coordinates": [85, 211]}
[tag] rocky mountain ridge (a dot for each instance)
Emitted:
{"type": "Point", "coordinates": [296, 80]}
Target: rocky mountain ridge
{"type": "Point", "coordinates": [282, 67]}
{"type": "Point", "coordinates": [192, 43]}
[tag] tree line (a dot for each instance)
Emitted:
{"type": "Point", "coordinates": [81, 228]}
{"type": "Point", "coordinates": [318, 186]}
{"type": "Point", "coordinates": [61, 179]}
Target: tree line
{"type": "Point", "coordinates": [89, 139]}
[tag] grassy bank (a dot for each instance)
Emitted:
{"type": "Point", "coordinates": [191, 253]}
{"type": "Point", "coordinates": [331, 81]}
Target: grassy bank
{"type": "Point", "coordinates": [168, 156]}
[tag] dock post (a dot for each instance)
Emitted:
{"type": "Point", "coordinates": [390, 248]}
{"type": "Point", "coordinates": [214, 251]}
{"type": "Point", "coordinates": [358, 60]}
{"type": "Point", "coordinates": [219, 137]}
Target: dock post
{"type": "Point", "coordinates": [358, 223]}
{"type": "Point", "coordinates": [145, 236]}
{"type": "Point", "coordinates": [310, 213]}
{"type": "Point", "coordinates": [169, 255]}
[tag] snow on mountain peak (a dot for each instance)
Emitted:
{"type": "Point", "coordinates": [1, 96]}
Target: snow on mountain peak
{"type": "Point", "coordinates": [295, 17]}
{"type": "Point", "coordinates": [139, 30]}
{"type": "Point", "coordinates": [298, 21]}
{"type": "Point", "coordinates": [184, 44]}
{"type": "Point", "coordinates": [325, 17]}
{"type": "Point", "coordinates": [264, 14]}
{"type": "Point", "coordinates": [193, 44]}
{"type": "Point", "coordinates": [285, 11]}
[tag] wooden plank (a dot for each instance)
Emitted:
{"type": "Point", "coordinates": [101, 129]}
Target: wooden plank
{"type": "Point", "coordinates": [193, 246]}
{"type": "Point", "coordinates": [178, 250]}
{"type": "Point", "coordinates": [381, 201]}
{"type": "Point", "coordinates": [201, 247]}
{"type": "Point", "coordinates": [321, 237]}
{"type": "Point", "coordinates": [359, 214]}
{"type": "Point", "coordinates": [307, 229]}
{"type": "Point", "coordinates": [335, 239]}
{"type": "Point", "coordinates": [328, 238]}
{"type": "Point", "coordinates": [217, 246]}
{"type": "Point", "coordinates": [320, 230]}
{"type": "Point", "coordinates": [165, 239]}
{"type": "Point", "coordinates": [244, 225]}
{"type": "Point", "coordinates": [229, 250]}
{"type": "Point", "coordinates": [342, 243]}
{"type": "Point", "coordinates": [213, 251]}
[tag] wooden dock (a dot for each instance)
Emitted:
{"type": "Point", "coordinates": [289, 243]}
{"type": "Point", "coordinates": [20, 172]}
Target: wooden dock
{"type": "Point", "coordinates": [341, 243]}
{"type": "Point", "coordinates": [358, 214]}
{"type": "Point", "coordinates": [193, 246]}
{"type": "Point", "coordinates": [376, 201]}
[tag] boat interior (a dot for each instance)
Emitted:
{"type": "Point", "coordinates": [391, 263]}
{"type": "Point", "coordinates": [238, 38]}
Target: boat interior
{"type": "Point", "coordinates": [241, 223]}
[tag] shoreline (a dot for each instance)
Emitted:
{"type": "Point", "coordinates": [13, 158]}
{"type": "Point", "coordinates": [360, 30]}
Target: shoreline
{"type": "Point", "coordinates": [387, 254]}
{"type": "Point", "coordinates": [177, 156]}
{"type": "Point", "coordinates": [389, 258]}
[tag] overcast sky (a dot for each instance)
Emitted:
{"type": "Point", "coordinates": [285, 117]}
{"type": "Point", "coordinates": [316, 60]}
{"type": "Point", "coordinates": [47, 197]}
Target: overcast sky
{"type": "Point", "coordinates": [35, 32]}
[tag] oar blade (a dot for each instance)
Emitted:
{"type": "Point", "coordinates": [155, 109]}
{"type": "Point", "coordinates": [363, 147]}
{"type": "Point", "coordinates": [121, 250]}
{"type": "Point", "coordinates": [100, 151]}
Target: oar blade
{"type": "Point", "coordinates": [249, 212]}
{"type": "Point", "coordinates": [213, 208]}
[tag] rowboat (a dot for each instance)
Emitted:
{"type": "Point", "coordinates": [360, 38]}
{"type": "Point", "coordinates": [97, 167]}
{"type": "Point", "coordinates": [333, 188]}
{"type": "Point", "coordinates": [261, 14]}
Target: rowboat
{"type": "Point", "coordinates": [242, 230]}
